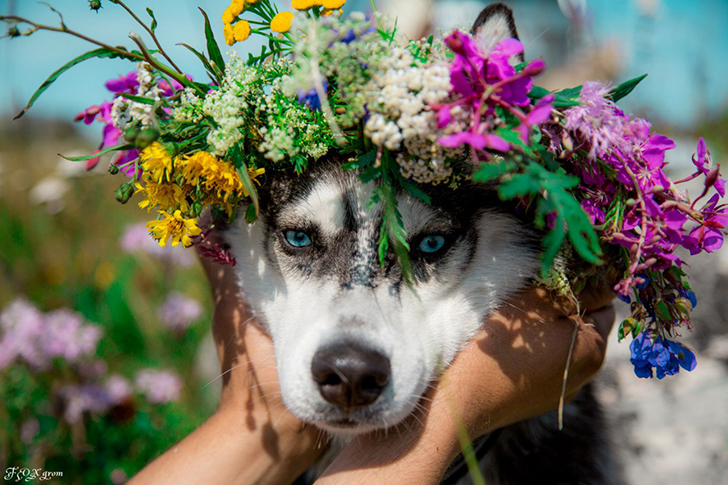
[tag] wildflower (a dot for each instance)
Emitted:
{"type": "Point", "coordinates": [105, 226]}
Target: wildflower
{"type": "Point", "coordinates": [708, 235]}
{"type": "Point", "coordinates": [66, 335]}
{"type": "Point", "coordinates": [81, 399]}
{"type": "Point", "coordinates": [157, 162]}
{"type": "Point", "coordinates": [282, 22]}
{"type": "Point", "coordinates": [165, 195]}
{"type": "Point", "coordinates": [159, 386]}
{"type": "Point", "coordinates": [119, 389]}
{"type": "Point", "coordinates": [311, 98]}
{"type": "Point", "coordinates": [305, 4]}
{"type": "Point", "coordinates": [124, 84]}
{"type": "Point", "coordinates": [241, 30]}
{"type": "Point", "coordinates": [333, 4]}
{"type": "Point", "coordinates": [175, 227]}
{"type": "Point", "coordinates": [178, 312]}
{"type": "Point", "coordinates": [227, 17]}
{"type": "Point", "coordinates": [227, 31]}
{"type": "Point", "coordinates": [703, 164]}
{"type": "Point", "coordinates": [665, 356]}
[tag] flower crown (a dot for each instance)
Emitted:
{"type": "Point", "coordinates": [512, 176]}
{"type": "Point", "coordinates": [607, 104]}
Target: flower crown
{"type": "Point", "coordinates": [428, 112]}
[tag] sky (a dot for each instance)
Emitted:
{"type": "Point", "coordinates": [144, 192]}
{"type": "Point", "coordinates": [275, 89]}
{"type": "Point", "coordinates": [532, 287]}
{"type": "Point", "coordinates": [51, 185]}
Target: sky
{"type": "Point", "coordinates": [683, 45]}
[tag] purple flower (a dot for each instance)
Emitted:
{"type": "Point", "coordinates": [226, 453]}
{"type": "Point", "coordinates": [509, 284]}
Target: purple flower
{"type": "Point", "coordinates": [708, 235]}
{"type": "Point", "coordinates": [136, 240]}
{"type": "Point", "coordinates": [178, 312]}
{"type": "Point", "coordinates": [65, 335]}
{"type": "Point", "coordinates": [123, 84]}
{"type": "Point", "coordinates": [703, 164]}
{"type": "Point", "coordinates": [665, 356]}
{"type": "Point", "coordinates": [22, 324]}
{"type": "Point", "coordinates": [119, 389]}
{"type": "Point", "coordinates": [159, 386]}
{"type": "Point", "coordinates": [311, 98]}
{"type": "Point", "coordinates": [81, 399]}
{"type": "Point", "coordinates": [481, 142]}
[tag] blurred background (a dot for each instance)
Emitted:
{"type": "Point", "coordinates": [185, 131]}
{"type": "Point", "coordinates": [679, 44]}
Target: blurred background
{"type": "Point", "coordinates": [106, 357]}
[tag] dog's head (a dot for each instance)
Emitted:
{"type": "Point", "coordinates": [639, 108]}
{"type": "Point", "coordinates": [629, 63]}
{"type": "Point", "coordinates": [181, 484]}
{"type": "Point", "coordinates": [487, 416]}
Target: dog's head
{"type": "Point", "coordinates": [355, 346]}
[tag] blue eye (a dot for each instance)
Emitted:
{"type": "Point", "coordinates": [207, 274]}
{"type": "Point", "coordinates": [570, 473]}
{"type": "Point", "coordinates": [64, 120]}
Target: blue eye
{"type": "Point", "coordinates": [431, 244]}
{"type": "Point", "coordinates": [298, 239]}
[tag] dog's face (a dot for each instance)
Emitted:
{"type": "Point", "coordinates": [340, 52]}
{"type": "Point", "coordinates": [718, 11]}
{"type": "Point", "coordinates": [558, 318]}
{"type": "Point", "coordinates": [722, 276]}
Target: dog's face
{"type": "Point", "coordinates": [355, 346]}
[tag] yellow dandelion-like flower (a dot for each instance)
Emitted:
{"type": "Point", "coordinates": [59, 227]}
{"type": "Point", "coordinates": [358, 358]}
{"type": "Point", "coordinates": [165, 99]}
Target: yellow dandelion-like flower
{"type": "Point", "coordinates": [241, 30]}
{"type": "Point", "coordinates": [156, 162]}
{"type": "Point", "coordinates": [326, 12]}
{"type": "Point", "coordinates": [251, 2]}
{"type": "Point", "coordinates": [165, 195]}
{"type": "Point", "coordinates": [174, 227]}
{"type": "Point", "coordinates": [282, 22]}
{"type": "Point", "coordinates": [237, 7]}
{"type": "Point", "coordinates": [227, 31]}
{"type": "Point", "coordinates": [333, 4]}
{"type": "Point", "coordinates": [304, 4]}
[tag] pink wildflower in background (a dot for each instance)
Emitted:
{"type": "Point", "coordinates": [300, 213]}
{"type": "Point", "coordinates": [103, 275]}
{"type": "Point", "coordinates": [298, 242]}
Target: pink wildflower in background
{"type": "Point", "coordinates": [119, 389]}
{"type": "Point", "coordinates": [178, 312]}
{"type": "Point", "coordinates": [21, 325]}
{"type": "Point", "coordinates": [84, 398]}
{"type": "Point", "coordinates": [159, 386]}
{"type": "Point", "coordinates": [136, 240]}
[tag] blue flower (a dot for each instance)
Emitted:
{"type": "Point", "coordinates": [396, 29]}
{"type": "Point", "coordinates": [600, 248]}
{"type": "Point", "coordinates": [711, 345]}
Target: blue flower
{"type": "Point", "coordinates": [665, 356]}
{"type": "Point", "coordinates": [311, 98]}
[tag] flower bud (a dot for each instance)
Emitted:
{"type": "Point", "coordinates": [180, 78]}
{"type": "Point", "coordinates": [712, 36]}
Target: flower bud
{"type": "Point", "coordinates": [94, 5]}
{"type": "Point", "coordinates": [567, 142]}
{"type": "Point", "coordinates": [13, 32]}
{"type": "Point", "coordinates": [146, 137]}
{"type": "Point", "coordinates": [131, 134]}
{"type": "Point", "coordinates": [657, 189]}
{"type": "Point", "coordinates": [113, 169]}
{"type": "Point", "coordinates": [712, 177]}
{"type": "Point", "coordinates": [125, 192]}
{"type": "Point", "coordinates": [631, 202]}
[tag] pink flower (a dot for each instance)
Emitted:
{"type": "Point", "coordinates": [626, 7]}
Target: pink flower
{"type": "Point", "coordinates": [708, 235]}
{"type": "Point", "coordinates": [159, 386]}
{"type": "Point", "coordinates": [123, 84]}
{"type": "Point", "coordinates": [178, 312]}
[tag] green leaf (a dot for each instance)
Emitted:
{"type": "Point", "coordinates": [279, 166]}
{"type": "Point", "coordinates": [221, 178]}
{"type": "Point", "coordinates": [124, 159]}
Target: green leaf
{"type": "Point", "coordinates": [363, 161]}
{"type": "Point", "coordinates": [127, 146]}
{"type": "Point", "coordinates": [96, 53]}
{"type": "Point", "coordinates": [370, 174]}
{"type": "Point", "coordinates": [154, 20]}
{"type": "Point", "coordinates": [570, 93]}
{"type": "Point", "coordinates": [562, 99]}
{"type": "Point", "coordinates": [138, 99]}
{"type": "Point", "coordinates": [411, 188]}
{"type": "Point", "coordinates": [491, 171]}
{"type": "Point", "coordinates": [205, 62]}
{"type": "Point", "coordinates": [519, 185]}
{"type": "Point", "coordinates": [662, 311]}
{"type": "Point", "coordinates": [251, 215]}
{"type": "Point", "coordinates": [213, 50]}
{"type": "Point", "coordinates": [552, 243]}
{"type": "Point", "coordinates": [625, 88]}
{"type": "Point", "coordinates": [626, 328]}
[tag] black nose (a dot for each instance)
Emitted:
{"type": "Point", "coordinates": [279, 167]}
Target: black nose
{"type": "Point", "coordinates": [350, 376]}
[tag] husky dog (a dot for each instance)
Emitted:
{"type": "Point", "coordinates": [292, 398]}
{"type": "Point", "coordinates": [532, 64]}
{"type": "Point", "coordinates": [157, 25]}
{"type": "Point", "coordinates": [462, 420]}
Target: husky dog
{"type": "Point", "coordinates": [355, 347]}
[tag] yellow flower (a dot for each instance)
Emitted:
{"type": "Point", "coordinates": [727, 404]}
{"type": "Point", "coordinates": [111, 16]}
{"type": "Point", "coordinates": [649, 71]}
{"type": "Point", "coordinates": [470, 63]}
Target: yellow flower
{"type": "Point", "coordinates": [333, 4]}
{"type": "Point", "coordinates": [156, 162]}
{"type": "Point", "coordinates": [281, 22]}
{"type": "Point", "coordinates": [173, 227]}
{"type": "Point", "coordinates": [326, 12]}
{"type": "Point", "coordinates": [219, 179]}
{"type": "Point", "coordinates": [251, 2]}
{"type": "Point", "coordinates": [237, 7]}
{"type": "Point", "coordinates": [227, 30]}
{"type": "Point", "coordinates": [164, 195]}
{"type": "Point", "coordinates": [305, 4]}
{"type": "Point", "coordinates": [228, 17]}
{"type": "Point", "coordinates": [241, 30]}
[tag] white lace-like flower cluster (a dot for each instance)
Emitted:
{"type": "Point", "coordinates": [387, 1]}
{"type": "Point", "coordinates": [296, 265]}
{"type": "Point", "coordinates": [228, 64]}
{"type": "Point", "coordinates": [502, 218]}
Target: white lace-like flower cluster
{"type": "Point", "coordinates": [190, 107]}
{"type": "Point", "coordinates": [227, 106]}
{"type": "Point", "coordinates": [401, 119]}
{"type": "Point", "coordinates": [125, 112]}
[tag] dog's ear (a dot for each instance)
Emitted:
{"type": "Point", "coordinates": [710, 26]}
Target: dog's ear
{"type": "Point", "coordinates": [494, 24]}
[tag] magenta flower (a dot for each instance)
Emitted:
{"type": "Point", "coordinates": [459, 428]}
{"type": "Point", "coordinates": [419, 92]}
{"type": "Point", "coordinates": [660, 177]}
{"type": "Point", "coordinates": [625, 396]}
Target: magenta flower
{"type": "Point", "coordinates": [708, 235]}
{"type": "Point", "coordinates": [703, 164]}
{"type": "Point", "coordinates": [123, 84]}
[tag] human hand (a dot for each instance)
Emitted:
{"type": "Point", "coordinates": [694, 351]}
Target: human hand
{"type": "Point", "coordinates": [251, 391]}
{"type": "Point", "coordinates": [513, 369]}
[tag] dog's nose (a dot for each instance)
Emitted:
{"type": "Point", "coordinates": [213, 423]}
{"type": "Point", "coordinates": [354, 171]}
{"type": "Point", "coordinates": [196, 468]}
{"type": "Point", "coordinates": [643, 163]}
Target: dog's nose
{"type": "Point", "coordinates": [350, 376]}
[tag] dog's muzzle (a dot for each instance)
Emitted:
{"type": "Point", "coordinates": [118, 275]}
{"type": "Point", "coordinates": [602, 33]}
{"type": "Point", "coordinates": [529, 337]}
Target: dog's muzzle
{"type": "Point", "coordinates": [350, 376]}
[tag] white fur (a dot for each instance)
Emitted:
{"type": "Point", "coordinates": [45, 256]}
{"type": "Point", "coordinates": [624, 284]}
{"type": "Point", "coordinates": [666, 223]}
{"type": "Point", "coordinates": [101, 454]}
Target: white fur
{"type": "Point", "coordinates": [417, 332]}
